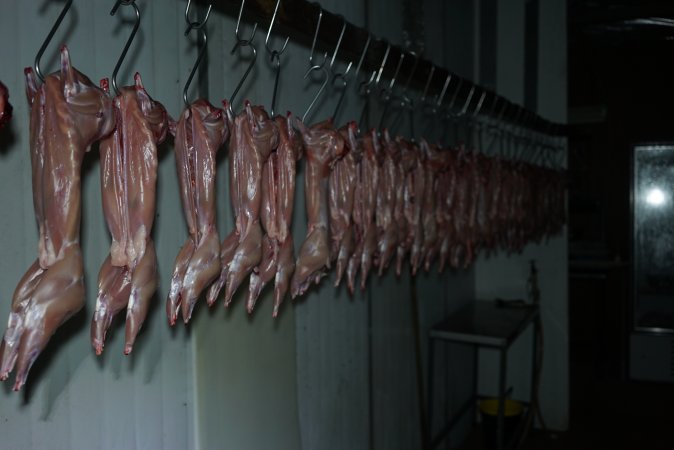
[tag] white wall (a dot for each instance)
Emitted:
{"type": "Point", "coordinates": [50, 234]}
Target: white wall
{"type": "Point", "coordinates": [74, 399]}
{"type": "Point", "coordinates": [505, 276]}
{"type": "Point", "coordinates": [396, 421]}
{"type": "Point", "coordinates": [230, 380]}
{"type": "Point", "coordinates": [246, 390]}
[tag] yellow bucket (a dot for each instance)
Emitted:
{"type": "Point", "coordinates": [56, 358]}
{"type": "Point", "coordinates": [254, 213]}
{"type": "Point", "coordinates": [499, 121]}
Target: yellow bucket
{"type": "Point", "coordinates": [512, 414]}
{"type": "Point", "coordinates": [490, 406]}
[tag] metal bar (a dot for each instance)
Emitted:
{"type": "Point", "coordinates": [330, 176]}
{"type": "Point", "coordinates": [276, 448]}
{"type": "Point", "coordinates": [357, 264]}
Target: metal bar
{"type": "Point", "coordinates": [535, 311]}
{"type": "Point", "coordinates": [370, 371]}
{"type": "Point", "coordinates": [418, 363]}
{"type": "Point", "coordinates": [501, 400]}
{"type": "Point", "coordinates": [452, 423]}
{"type": "Point", "coordinates": [517, 432]}
{"type": "Point", "coordinates": [297, 19]}
{"type": "Point", "coordinates": [517, 435]}
{"type": "Point", "coordinates": [431, 393]}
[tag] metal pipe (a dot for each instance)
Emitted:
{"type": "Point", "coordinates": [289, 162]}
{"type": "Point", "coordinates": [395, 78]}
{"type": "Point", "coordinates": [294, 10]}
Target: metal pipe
{"type": "Point", "coordinates": [299, 19]}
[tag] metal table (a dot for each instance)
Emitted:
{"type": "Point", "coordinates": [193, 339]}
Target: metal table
{"type": "Point", "coordinates": [482, 324]}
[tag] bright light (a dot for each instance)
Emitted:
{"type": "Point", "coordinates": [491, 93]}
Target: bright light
{"type": "Point", "coordinates": [655, 197]}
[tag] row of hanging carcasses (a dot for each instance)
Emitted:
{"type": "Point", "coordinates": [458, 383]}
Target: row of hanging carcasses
{"type": "Point", "coordinates": [372, 201]}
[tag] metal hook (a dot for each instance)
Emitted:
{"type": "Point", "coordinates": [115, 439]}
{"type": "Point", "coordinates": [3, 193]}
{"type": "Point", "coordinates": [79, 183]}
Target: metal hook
{"type": "Point", "coordinates": [239, 40]}
{"type": "Point", "coordinates": [339, 76]}
{"type": "Point", "coordinates": [275, 55]}
{"type": "Point", "coordinates": [502, 112]}
{"type": "Point", "coordinates": [441, 96]}
{"type": "Point", "coordinates": [454, 96]}
{"type": "Point", "coordinates": [204, 41]}
{"type": "Point", "coordinates": [478, 107]}
{"type": "Point", "coordinates": [406, 102]}
{"type": "Point", "coordinates": [474, 123]}
{"type": "Point", "coordinates": [243, 43]}
{"type": "Point", "coordinates": [315, 67]}
{"type": "Point", "coordinates": [339, 42]}
{"type": "Point", "coordinates": [462, 113]}
{"type": "Point", "coordinates": [48, 39]}
{"type": "Point", "coordinates": [362, 55]}
{"type": "Point", "coordinates": [313, 43]}
{"type": "Point", "coordinates": [246, 73]}
{"type": "Point", "coordinates": [512, 133]}
{"type": "Point", "coordinates": [387, 92]}
{"type": "Point", "coordinates": [320, 90]}
{"type": "Point", "coordinates": [468, 100]}
{"type": "Point", "coordinates": [364, 88]}
{"type": "Point", "coordinates": [515, 123]}
{"type": "Point", "coordinates": [422, 99]}
{"type": "Point", "coordinates": [437, 106]}
{"type": "Point", "coordinates": [118, 3]}
{"type": "Point", "coordinates": [383, 64]}
{"type": "Point", "coordinates": [194, 24]}
{"type": "Point", "coordinates": [447, 111]}
{"type": "Point", "coordinates": [447, 114]}
{"type": "Point", "coordinates": [479, 104]}
{"type": "Point", "coordinates": [490, 124]}
{"type": "Point", "coordinates": [499, 127]}
{"type": "Point", "coordinates": [271, 25]}
{"type": "Point", "coordinates": [403, 95]}
{"type": "Point", "coordinates": [427, 107]}
{"type": "Point", "coordinates": [493, 105]}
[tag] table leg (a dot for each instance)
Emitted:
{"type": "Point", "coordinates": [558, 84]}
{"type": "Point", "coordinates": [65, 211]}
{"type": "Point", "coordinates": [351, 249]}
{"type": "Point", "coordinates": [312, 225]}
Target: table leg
{"type": "Point", "coordinates": [501, 404]}
{"type": "Point", "coordinates": [431, 373]}
{"type": "Point", "coordinates": [533, 401]}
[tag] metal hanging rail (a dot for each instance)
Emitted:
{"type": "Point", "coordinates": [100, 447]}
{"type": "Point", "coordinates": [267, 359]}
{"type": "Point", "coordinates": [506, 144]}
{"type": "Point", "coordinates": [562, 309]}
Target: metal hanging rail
{"type": "Point", "coordinates": [297, 18]}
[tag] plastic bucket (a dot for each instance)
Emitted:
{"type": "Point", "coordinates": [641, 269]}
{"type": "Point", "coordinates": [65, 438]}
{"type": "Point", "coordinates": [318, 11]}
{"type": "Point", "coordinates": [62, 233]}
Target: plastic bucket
{"type": "Point", "coordinates": [512, 415]}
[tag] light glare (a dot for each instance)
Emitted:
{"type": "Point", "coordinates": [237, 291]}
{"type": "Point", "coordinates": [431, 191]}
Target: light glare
{"type": "Point", "coordinates": [655, 197]}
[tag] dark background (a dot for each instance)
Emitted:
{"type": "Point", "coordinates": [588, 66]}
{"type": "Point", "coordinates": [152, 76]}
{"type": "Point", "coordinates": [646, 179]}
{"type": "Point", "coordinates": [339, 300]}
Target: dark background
{"type": "Point", "coordinates": [621, 92]}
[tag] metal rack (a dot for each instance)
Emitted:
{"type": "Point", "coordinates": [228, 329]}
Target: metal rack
{"type": "Point", "coordinates": [297, 18]}
{"type": "Point", "coordinates": [484, 324]}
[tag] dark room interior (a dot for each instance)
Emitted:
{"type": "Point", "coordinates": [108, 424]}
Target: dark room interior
{"type": "Point", "coordinates": [343, 224]}
{"type": "Point", "coordinates": [620, 97]}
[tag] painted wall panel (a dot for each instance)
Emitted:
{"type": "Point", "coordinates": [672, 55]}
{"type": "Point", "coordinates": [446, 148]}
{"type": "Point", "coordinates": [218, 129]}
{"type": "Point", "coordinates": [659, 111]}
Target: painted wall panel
{"type": "Point", "coordinates": [74, 399]}
{"type": "Point", "coordinates": [267, 379]}
{"type": "Point", "coordinates": [229, 380]}
{"type": "Point", "coordinates": [331, 326]}
{"type": "Point", "coordinates": [506, 276]}
{"type": "Point", "coordinates": [245, 368]}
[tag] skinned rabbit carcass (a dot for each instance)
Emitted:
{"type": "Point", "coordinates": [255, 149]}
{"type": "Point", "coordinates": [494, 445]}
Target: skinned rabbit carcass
{"type": "Point", "coordinates": [365, 204]}
{"type": "Point", "coordinates": [5, 106]}
{"type": "Point", "coordinates": [199, 133]}
{"type": "Point", "coordinates": [389, 214]}
{"type": "Point", "coordinates": [278, 196]}
{"type": "Point", "coordinates": [323, 145]}
{"type": "Point", "coordinates": [253, 136]}
{"type": "Point", "coordinates": [128, 277]}
{"type": "Point", "coordinates": [68, 113]}
{"type": "Point", "coordinates": [342, 189]}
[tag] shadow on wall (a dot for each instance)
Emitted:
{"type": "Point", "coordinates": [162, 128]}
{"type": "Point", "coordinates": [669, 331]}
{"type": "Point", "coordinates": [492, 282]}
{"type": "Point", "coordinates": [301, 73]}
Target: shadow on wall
{"type": "Point", "coordinates": [42, 371]}
{"type": "Point", "coordinates": [55, 371]}
{"type": "Point", "coordinates": [7, 137]}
